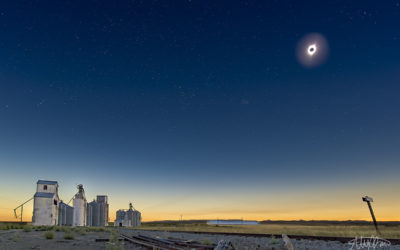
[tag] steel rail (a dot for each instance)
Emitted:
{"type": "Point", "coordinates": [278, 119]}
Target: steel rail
{"type": "Point", "coordinates": [297, 237]}
{"type": "Point", "coordinates": [149, 244]}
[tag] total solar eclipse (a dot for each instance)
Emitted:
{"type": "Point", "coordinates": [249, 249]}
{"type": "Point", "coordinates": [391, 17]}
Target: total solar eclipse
{"type": "Point", "coordinates": [312, 50]}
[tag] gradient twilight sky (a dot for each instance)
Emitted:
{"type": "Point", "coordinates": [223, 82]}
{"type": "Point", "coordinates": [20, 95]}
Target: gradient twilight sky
{"type": "Point", "coordinates": [201, 108]}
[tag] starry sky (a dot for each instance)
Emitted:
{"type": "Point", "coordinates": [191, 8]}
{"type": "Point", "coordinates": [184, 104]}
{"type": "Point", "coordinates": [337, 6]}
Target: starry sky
{"type": "Point", "coordinates": [201, 108]}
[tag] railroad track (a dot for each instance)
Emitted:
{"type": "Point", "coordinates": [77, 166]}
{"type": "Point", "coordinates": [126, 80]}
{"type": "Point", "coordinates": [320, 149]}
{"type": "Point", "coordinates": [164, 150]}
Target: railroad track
{"type": "Point", "coordinates": [297, 237]}
{"type": "Point", "coordinates": [164, 244]}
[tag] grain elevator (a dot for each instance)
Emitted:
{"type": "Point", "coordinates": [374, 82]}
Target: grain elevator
{"type": "Point", "coordinates": [79, 202]}
{"type": "Point", "coordinates": [97, 212]}
{"type": "Point", "coordinates": [45, 203]}
{"type": "Point", "coordinates": [48, 210]}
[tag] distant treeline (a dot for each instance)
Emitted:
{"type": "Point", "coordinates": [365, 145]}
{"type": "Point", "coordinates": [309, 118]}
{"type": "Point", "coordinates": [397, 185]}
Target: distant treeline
{"type": "Point", "coordinates": [174, 222]}
{"type": "Point", "coordinates": [16, 222]}
{"type": "Point", "coordinates": [287, 222]}
{"type": "Point", "coordinates": [329, 222]}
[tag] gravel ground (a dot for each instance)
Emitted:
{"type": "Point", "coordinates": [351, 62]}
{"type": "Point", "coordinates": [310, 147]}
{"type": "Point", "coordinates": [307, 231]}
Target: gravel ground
{"type": "Point", "coordinates": [18, 239]}
{"type": "Point", "coordinates": [249, 243]}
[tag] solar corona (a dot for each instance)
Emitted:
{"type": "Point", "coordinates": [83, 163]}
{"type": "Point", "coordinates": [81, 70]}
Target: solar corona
{"type": "Point", "coordinates": [312, 50]}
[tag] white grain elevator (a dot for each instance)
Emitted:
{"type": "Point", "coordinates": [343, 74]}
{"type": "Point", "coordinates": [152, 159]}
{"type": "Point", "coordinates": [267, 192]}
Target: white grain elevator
{"type": "Point", "coordinates": [45, 204]}
{"type": "Point", "coordinates": [80, 206]}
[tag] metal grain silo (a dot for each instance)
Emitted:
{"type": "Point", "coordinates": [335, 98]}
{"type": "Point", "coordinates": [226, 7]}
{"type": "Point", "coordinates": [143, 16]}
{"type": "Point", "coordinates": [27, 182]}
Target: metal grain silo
{"type": "Point", "coordinates": [79, 218]}
{"type": "Point", "coordinates": [97, 212]}
{"type": "Point", "coordinates": [120, 214]}
{"type": "Point", "coordinates": [65, 214]}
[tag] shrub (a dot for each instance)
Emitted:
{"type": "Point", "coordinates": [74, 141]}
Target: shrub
{"type": "Point", "coordinates": [69, 236]}
{"type": "Point", "coordinates": [114, 243]}
{"type": "Point", "coordinates": [7, 226]}
{"type": "Point", "coordinates": [273, 240]}
{"type": "Point", "coordinates": [66, 229]}
{"type": "Point", "coordinates": [49, 235]}
{"type": "Point", "coordinates": [206, 242]}
{"type": "Point", "coordinates": [27, 228]}
{"type": "Point", "coordinates": [16, 237]}
{"type": "Point", "coordinates": [43, 228]}
{"type": "Point", "coordinates": [114, 246]}
{"type": "Point", "coordinates": [80, 230]}
{"type": "Point", "coordinates": [96, 229]}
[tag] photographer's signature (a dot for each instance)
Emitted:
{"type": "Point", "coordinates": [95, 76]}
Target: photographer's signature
{"type": "Point", "coordinates": [372, 242]}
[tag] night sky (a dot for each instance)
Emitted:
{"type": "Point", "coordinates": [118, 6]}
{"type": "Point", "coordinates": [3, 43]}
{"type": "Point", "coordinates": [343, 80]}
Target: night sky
{"type": "Point", "coordinates": [201, 108]}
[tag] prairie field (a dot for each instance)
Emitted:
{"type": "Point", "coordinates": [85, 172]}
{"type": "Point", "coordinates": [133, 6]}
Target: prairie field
{"type": "Point", "coordinates": [389, 232]}
{"type": "Point", "coordinates": [335, 230]}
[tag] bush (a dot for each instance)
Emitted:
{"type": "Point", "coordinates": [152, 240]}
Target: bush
{"type": "Point", "coordinates": [16, 237]}
{"type": "Point", "coordinates": [49, 235]}
{"type": "Point", "coordinates": [114, 243]}
{"type": "Point", "coordinates": [100, 229]}
{"type": "Point", "coordinates": [27, 228]}
{"type": "Point", "coordinates": [7, 226]}
{"type": "Point", "coordinates": [65, 229]}
{"type": "Point", "coordinates": [43, 228]}
{"type": "Point", "coordinates": [273, 240]}
{"type": "Point", "coordinates": [206, 242]}
{"type": "Point", "coordinates": [80, 230]}
{"type": "Point", "coordinates": [69, 236]}
{"type": "Point", "coordinates": [114, 246]}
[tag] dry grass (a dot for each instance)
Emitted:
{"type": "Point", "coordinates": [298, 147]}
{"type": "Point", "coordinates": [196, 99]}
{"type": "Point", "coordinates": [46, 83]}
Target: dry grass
{"type": "Point", "coordinates": [392, 232]}
{"type": "Point", "coordinates": [69, 236]}
{"type": "Point", "coordinates": [49, 235]}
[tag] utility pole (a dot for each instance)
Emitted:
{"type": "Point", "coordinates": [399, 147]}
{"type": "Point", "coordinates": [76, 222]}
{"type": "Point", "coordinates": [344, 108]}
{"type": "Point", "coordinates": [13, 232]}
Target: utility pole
{"type": "Point", "coordinates": [368, 200]}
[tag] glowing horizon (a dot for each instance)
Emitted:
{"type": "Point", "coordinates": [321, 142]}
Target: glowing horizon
{"type": "Point", "coordinates": [283, 205]}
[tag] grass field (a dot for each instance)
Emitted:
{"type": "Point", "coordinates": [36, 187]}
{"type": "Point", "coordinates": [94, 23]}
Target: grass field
{"type": "Point", "coordinates": [388, 231]}
{"type": "Point", "coordinates": [392, 232]}
{"type": "Point", "coordinates": [27, 227]}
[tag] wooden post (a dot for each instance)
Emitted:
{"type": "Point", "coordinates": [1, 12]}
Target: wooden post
{"type": "Point", "coordinates": [287, 242]}
{"type": "Point", "coordinates": [368, 200]}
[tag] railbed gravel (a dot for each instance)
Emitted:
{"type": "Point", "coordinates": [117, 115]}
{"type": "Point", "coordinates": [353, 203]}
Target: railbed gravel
{"type": "Point", "coordinates": [250, 243]}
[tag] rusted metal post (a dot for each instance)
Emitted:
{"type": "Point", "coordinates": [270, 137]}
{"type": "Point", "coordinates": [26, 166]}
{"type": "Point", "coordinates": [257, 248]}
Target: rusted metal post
{"type": "Point", "coordinates": [368, 200]}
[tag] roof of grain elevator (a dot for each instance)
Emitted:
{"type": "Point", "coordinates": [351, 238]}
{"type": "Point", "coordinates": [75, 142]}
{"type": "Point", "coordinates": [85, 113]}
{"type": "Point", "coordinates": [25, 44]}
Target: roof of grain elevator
{"type": "Point", "coordinates": [64, 204]}
{"type": "Point", "coordinates": [44, 195]}
{"type": "Point", "coordinates": [47, 182]}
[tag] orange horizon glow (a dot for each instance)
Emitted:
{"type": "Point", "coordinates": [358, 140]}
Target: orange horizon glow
{"type": "Point", "coordinates": [329, 202]}
{"type": "Point", "coordinates": [383, 213]}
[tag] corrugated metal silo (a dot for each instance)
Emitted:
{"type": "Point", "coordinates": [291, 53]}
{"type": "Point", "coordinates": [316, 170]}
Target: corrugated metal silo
{"type": "Point", "coordinates": [65, 214]}
{"type": "Point", "coordinates": [120, 214]}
